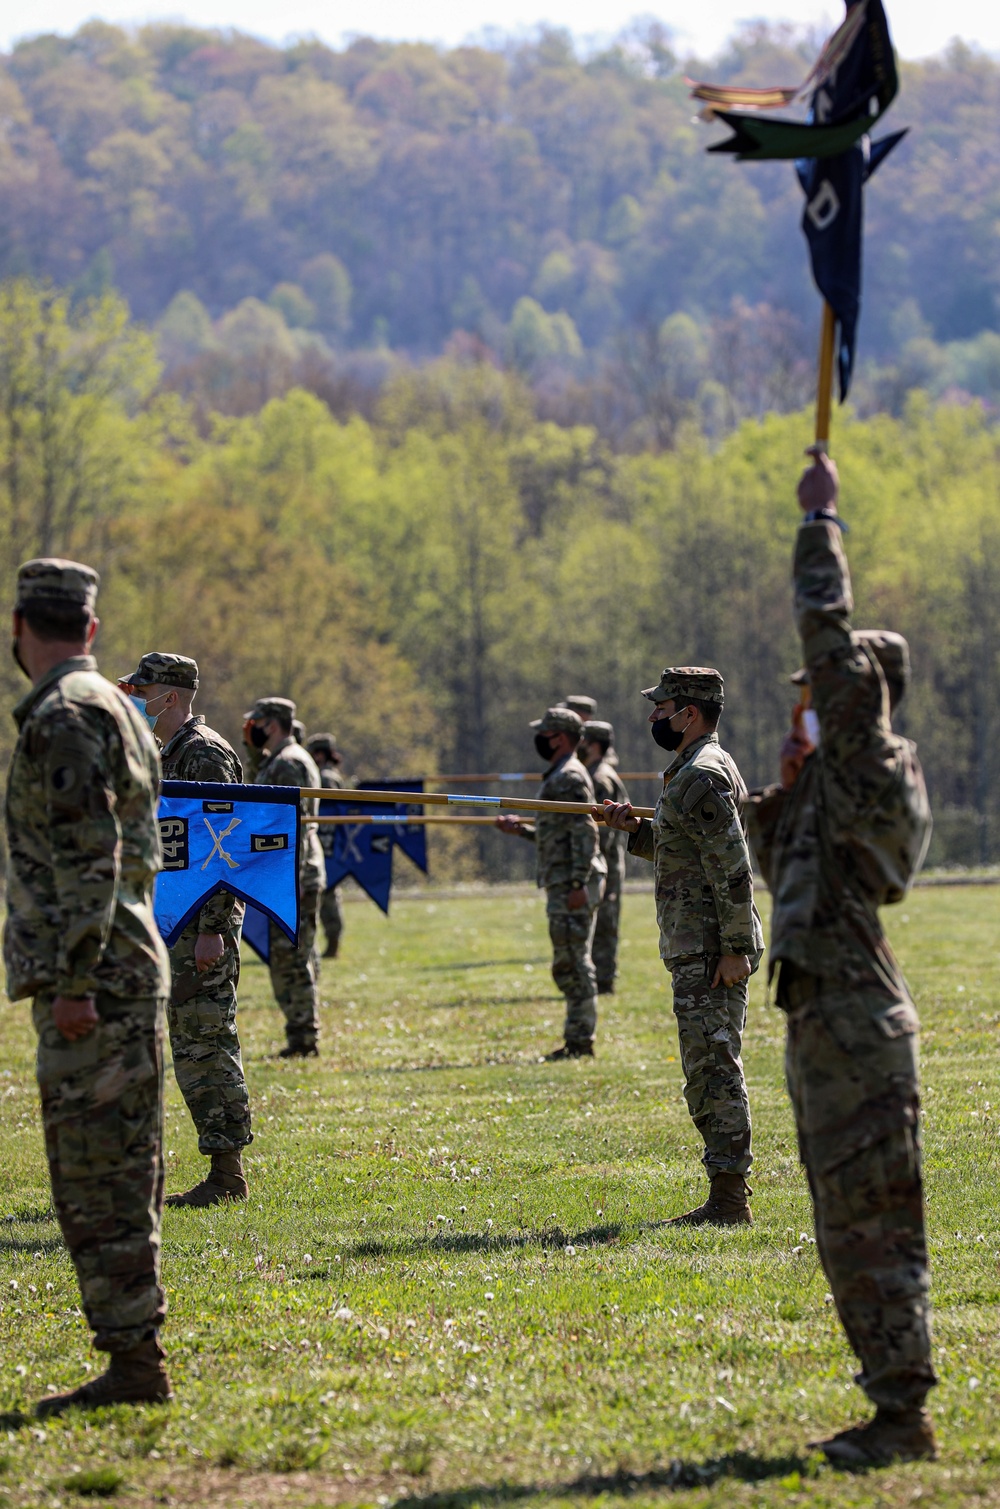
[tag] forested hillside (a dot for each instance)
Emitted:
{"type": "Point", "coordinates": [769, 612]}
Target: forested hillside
{"type": "Point", "coordinates": [311, 216]}
{"type": "Point", "coordinates": [428, 580]}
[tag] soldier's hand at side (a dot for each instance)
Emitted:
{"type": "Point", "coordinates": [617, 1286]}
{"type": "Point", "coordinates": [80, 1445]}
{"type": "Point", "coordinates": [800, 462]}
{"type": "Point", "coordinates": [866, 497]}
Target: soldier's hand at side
{"type": "Point", "coordinates": [208, 948]}
{"type": "Point", "coordinates": [618, 815]}
{"type": "Point", "coordinates": [730, 970]}
{"type": "Point", "coordinates": [74, 1016]}
{"type": "Point", "coordinates": [577, 898]}
{"type": "Point", "coordinates": [509, 824]}
{"type": "Point", "coordinates": [819, 484]}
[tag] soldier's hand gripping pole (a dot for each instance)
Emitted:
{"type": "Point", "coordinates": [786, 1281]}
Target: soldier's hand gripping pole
{"type": "Point", "coordinates": [460, 799]}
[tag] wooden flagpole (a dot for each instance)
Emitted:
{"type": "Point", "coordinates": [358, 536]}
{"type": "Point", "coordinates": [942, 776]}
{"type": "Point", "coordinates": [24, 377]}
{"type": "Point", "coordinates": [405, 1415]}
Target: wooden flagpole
{"type": "Point", "coordinates": [499, 777]}
{"type": "Point", "coordinates": [824, 378]}
{"type": "Point", "coordinates": [394, 817]}
{"type": "Point", "coordinates": [455, 799]}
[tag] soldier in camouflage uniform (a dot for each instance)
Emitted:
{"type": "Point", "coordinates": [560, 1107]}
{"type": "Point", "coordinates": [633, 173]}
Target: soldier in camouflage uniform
{"type": "Point", "coordinates": [572, 871]}
{"type": "Point", "coordinates": [82, 940]}
{"type": "Point", "coordinates": [710, 933]}
{"type": "Point", "coordinates": [205, 960]}
{"type": "Point", "coordinates": [294, 971]}
{"type": "Point", "coordinates": [597, 744]}
{"type": "Point", "coordinates": [323, 748]}
{"type": "Point", "coordinates": [842, 834]}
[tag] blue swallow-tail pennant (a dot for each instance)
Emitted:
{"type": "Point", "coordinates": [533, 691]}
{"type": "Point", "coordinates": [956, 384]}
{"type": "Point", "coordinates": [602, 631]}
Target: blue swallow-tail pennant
{"type": "Point", "coordinates": [241, 839]}
{"type": "Point", "coordinates": [257, 932]}
{"type": "Point", "coordinates": [364, 850]}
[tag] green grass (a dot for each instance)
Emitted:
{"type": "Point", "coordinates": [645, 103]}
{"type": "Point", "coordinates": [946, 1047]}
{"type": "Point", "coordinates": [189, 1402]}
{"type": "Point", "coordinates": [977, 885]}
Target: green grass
{"type": "Point", "coordinates": [448, 1287]}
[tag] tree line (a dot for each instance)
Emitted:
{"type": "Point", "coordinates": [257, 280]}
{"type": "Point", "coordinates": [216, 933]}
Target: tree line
{"type": "Point", "coordinates": [307, 216]}
{"type": "Point", "coordinates": [427, 580]}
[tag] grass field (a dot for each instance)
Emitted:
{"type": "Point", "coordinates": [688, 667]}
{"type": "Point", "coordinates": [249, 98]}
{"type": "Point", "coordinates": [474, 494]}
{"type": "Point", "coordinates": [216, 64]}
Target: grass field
{"type": "Point", "coordinates": [449, 1288]}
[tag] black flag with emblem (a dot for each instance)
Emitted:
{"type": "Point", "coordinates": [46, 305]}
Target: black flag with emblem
{"type": "Point", "coordinates": [832, 221]}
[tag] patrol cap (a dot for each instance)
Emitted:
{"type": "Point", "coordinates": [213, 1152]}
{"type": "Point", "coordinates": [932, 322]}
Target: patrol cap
{"type": "Point", "coordinates": [160, 669]}
{"type": "Point", "coordinates": [298, 730]}
{"type": "Point", "coordinates": [266, 708]}
{"type": "Point", "coordinates": [558, 720]}
{"type": "Point", "coordinates": [321, 744]}
{"type": "Point", "coordinates": [595, 729]}
{"type": "Point", "coordinates": [701, 682]}
{"type": "Point", "coordinates": [585, 706]}
{"type": "Point", "coordinates": [48, 582]}
{"type": "Point", "coordinates": [890, 650]}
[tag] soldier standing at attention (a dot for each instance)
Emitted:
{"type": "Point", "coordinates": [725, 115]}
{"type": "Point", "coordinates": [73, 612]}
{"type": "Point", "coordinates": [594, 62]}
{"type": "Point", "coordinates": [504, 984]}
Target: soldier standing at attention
{"type": "Point", "coordinates": [294, 971]}
{"type": "Point", "coordinates": [81, 939]}
{"type": "Point", "coordinates": [710, 933]}
{"type": "Point", "coordinates": [323, 748]}
{"type": "Point", "coordinates": [572, 870]}
{"type": "Point", "coordinates": [597, 743]}
{"type": "Point", "coordinates": [843, 834]}
{"type": "Point", "coordinates": [205, 960]}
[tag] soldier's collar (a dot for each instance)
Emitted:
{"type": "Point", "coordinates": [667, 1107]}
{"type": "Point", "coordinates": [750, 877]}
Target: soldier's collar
{"type": "Point", "coordinates": [288, 739]}
{"type": "Point", "coordinates": [185, 728]}
{"type": "Point", "coordinates": [38, 690]}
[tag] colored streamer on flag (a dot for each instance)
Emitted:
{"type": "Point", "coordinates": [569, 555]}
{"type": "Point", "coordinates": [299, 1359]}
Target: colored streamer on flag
{"type": "Point", "coordinates": [216, 837]}
{"type": "Point", "coordinates": [853, 82]}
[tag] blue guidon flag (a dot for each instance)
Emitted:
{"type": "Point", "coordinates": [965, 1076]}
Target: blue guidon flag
{"type": "Point", "coordinates": [365, 850]}
{"type": "Point", "coordinates": [241, 839]}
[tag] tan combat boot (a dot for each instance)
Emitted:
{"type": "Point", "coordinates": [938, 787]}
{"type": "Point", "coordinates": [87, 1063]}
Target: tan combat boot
{"type": "Point", "coordinates": [893, 1436]}
{"type": "Point", "coordinates": [728, 1204]}
{"type": "Point", "coordinates": [224, 1182]}
{"type": "Point", "coordinates": [134, 1377]}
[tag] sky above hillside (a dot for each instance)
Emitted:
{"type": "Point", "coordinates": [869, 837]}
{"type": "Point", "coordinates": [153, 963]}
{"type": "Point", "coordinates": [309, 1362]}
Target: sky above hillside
{"type": "Point", "coordinates": [920, 28]}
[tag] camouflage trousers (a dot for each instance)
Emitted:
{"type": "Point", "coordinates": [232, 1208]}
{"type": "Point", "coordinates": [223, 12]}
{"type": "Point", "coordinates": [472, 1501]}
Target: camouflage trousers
{"type": "Point", "coordinates": [205, 1044]}
{"type": "Point", "coordinates": [851, 1063]}
{"type": "Point", "coordinates": [295, 973]}
{"type": "Point", "coordinates": [605, 946]}
{"type": "Point", "coordinates": [572, 934]}
{"type": "Point", "coordinates": [710, 1027]}
{"type": "Point", "coordinates": [331, 915]}
{"type": "Point", "coordinates": [102, 1112]}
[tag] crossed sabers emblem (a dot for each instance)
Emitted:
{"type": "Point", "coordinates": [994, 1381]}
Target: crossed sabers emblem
{"type": "Point", "coordinates": [217, 844]}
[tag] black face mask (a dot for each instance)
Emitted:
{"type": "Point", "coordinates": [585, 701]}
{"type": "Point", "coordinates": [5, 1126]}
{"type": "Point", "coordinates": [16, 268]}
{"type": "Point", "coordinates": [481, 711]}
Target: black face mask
{"type": "Point", "coordinates": [258, 738]}
{"type": "Point", "coordinates": [544, 746]}
{"type": "Point", "coordinates": [665, 734]}
{"type": "Point", "coordinates": [15, 650]}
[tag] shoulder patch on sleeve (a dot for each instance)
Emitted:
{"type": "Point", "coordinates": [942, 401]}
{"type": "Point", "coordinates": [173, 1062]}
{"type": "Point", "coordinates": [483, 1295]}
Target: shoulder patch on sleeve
{"type": "Point", "coordinates": [706, 806]}
{"type": "Point", "coordinates": [69, 768]}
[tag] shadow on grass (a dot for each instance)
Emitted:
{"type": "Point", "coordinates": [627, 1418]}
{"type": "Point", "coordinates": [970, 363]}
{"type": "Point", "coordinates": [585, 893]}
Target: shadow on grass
{"type": "Point", "coordinates": [9, 1245]}
{"type": "Point", "coordinates": [552, 1237]}
{"type": "Point", "coordinates": [743, 1466]}
{"type": "Point", "coordinates": [28, 1215]}
{"type": "Point", "coordinates": [426, 969]}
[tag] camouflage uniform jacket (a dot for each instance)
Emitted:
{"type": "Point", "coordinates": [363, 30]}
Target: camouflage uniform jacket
{"type": "Point", "coordinates": [197, 753]}
{"type": "Point", "coordinates": [698, 845]}
{"type": "Point", "coordinates": [569, 853]}
{"type": "Point", "coordinates": [851, 833]}
{"type": "Point", "coordinates": [609, 787]}
{"type": "Point", "coordinates": [331, 779]}
{"type": "Point", "coordinates": [83, 842]}
{"type": "Point", "coordinates": [291, 765]}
